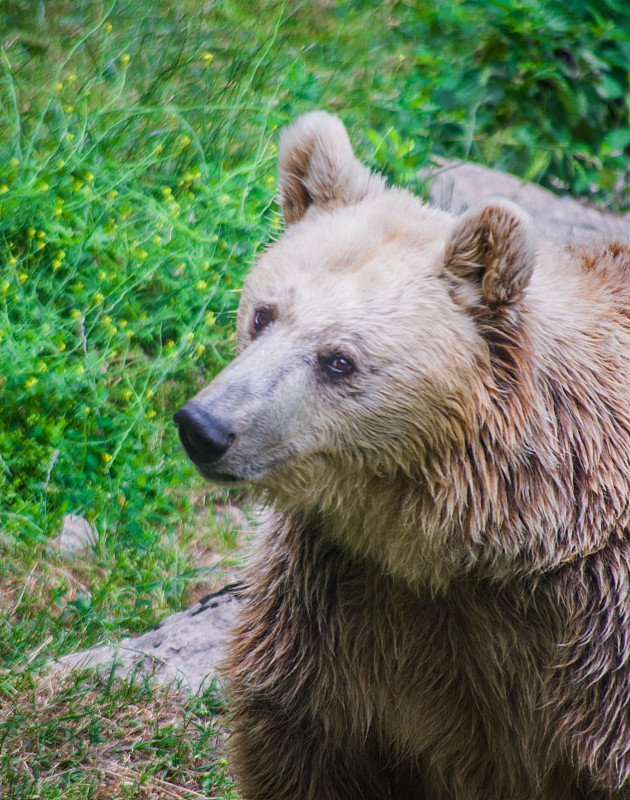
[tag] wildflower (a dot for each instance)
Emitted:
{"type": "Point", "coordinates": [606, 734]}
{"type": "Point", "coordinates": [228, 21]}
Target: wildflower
{"type": "Point", "coordinates": [59, 86]}
{"type": "Point", "coordinates": [129, 333]}
{"type": "Point", "coordinates": [200, 285]}
{"type": "Point", "coordinates": [60, 163]}
{"type": "Point", "coordinates": [126, 394]}
{"type": "Point", "coordinates": [75, 313]}
{"type": "Point", "coordinates": [210, 318]}
{"type": "Point", "coordinates": [89, 176]}
{"type": "Point", "coordinates": [80, 369]}
{"type": "Point", "coordinates": [124, 58]}
{"type": "Point", "coordinates": [68, 109]}
{"type": "Point", "coordinates": [207, 57]}
{"type": "Point", "coordinates": [30, 382]}
{"type": "Point", "coordinates": [78, 286]}
{"type": "Point", "coordinates": [184, 140]}
{"type": "Point", "coordinates": [199, 350]}
{"type": "Point", "coordinates": [157, 239]}
{"type": "Point", "coordinates": [62, 346]}
{"type": "Point", "coordinates": [401, 58]}
{"type": "Point", "coordinates": [102, 274]}
{"type": "Point", "coordinates": [151, 413]}
{"type": "Point", "coordinates": [107, 27]}
{"type": "Point", "coordinates": [112, 329]}
{"type": "Point", "coordinates": [86, 411]}
{"type": "Point", "coordinates": [167, 191]}
{"type": "Point", "coordinates": [4, 188]}
{"type": "Point", "coordinates": [23, 276]}
{"type": "Point", "coordinates": [12, 260]}
{"type": "Point", "coordinates": [190, 336]}
{"type": "Point", "coordinates": [5, 286]}
{"type": "Point", "coordinates": [71, 78]}
{"type": "Point", "coordinates": [205, 266]}
{"type": "Point", "coordinates": [122, 323]}
{"type": "Point", "coordinates": [107, 319]}
{"type": "Point", "coordinates": [31, 232]}
{"type": "Point", "coordinates": [215, 238]}
{"type": "Point", "coordinates": [142, 254]}
{"type": "Point", "coordinates": [76, 184]}
{"type": "Point", "coordinates": [15, 162]}
{"type": "Point", "coordinates": [70, 136]}
{"type": "Point", "coordinates": [107, 457]}
{"type": "Point", "coordinates": [111, 194]}
{"type": "Point", "coordinates": [41, 234]}
{"type": "Point", "coordinates": [98, 297]}
{"type": "Point", "coordinates": [149, 393]}
{"type": "Point", "coordinates": [56, 264]}
{"type": "Point", "coordinates": [42, 367]}
{"type": "Point", "coordinates": [41, 245]}
{"type": "Point", "coordinates": [168, 344]}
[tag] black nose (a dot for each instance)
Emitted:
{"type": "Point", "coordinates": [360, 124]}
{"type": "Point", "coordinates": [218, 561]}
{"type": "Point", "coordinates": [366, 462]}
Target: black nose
{"type": "Point", "coordinates": [205, 438]}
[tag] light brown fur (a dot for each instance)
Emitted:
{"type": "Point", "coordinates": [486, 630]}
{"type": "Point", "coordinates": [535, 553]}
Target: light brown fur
{"type": "Point", "coordinates": [439, 605]}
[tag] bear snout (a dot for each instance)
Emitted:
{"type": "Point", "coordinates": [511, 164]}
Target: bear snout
{"type": "Point", "coordinates": [205, 438]}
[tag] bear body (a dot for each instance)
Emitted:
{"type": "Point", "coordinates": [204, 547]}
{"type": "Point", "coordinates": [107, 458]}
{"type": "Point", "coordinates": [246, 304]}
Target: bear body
{"type": "Point", "coordinates": [437, 409]}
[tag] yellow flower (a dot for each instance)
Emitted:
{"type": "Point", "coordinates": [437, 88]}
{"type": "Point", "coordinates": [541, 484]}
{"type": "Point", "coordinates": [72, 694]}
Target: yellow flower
{"type": "Point", "coordinates": [126, 394]}
{"type": "Point", "coordinates": [107, 27]}
{"type": "Point", "coordinates": [56, 264]}
{"type": "Point", "coordinates": [112, 330]}
{"type": "Point", "coordinates": [129, 333]}
{"type": "Point", "coordinates": [151, 413]}
{"type": "Point", "coordinates": [122, 323]}
{"type": "Point", "coordinates": [59, 86]}
{"type": "Point", "coordinates": [58, 211]}
{"type": "Point", "coordinates": [157, 239]}
{"type": "Point", "coordinates": [62, 346]}
{"type": "Point", "coordinates": [89, 176]}
{"type": "Point", "coordinates": [124, 59]}
{"type": "Point", "coordinates": [86, 410]}
{"type": "Point", "coordinates": [41, 234]}
{"type": "Point", "coordinates": [76, 184]}
{"type": "Point", "coordinates": [60, 163]}
{"type": "Point", "coordinates": [199, 350]}
{"type": "Point", "coordinates": [142, 254]}
{"type": "Point", "coordinates": [210, 318]}
{"type": "Point", "coordinates": [61, 254]}
{"type": "Point", "coordinates": [80, 369]}
{"type": "Point", "coordinates": [107, 457]}
{"type": "Point", "coordinates": [184, 140]}
{"type": "Point", "coordinates": [168, 344]}
{"type": "Point", "coordinates": [102, 274]}
{"type": "Point", "coordinates": [71, 78]}
{"type": "Point", "coordinates": [205, 266]}
{"type": "Point", "coordinates": [207, 57]}
{"type": "Point", "coordinates": [200, 285]}
{"type": "Point", "coordinates": [111, 194]}
{"type": "Point", "coordinates": [23, 276]}
{"type": "Point", "coordinates": [149, 393]}
{"type": "Point", "coordinates": [30, 382]}
{"type": "Point", "coordinates": [75, 313]}
{"type": "Point", "coordinates": [15, 162]}
{"type": "Point", "coordinates": [98, 297]}
{"type": "Point", "coordinates": [70, 136]}
{"type": "Point", "coordinates": [167, 191]}
{"type": "Point", "coordinates": [190, 336]}
{"type": "Point", "coordinates": [42, 367]}
{"type": "Point", "coordinates": [68, 109]}
{"type": "Point", "coordinates": [5, 286]}
{"type": "Point", "coordinates": [31, 232]}
{"type": "Point", "coordinates": [12, 260]}
{"type": "Point", "coordinates": [215, 238]}
{"type": "Point", "coordinates": [159, 149]}
{"type": "Point", "coordinates": [78, 286]}
{"type": "Point", "coordinates": [41, 245]}
{"type": "Point", "coordinates": [107, 319]}
{"type": "Point", "coordinates": [4, 188]}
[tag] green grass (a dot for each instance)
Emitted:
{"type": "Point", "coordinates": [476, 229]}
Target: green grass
{"type": "Point", "coordinates": [137, 179]}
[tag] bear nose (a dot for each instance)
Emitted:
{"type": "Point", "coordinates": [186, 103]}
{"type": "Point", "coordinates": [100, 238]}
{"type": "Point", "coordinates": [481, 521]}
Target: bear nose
{"type": "Point", "coordinates": [205, 438]}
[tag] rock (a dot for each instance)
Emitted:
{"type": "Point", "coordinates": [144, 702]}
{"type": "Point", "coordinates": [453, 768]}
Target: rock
{"type": "Point", "coordinates": [185, 648]}
{"type": "Point", "coordinates": [77, 535]}
{"type": "Point", "coordinates": [457, 185]}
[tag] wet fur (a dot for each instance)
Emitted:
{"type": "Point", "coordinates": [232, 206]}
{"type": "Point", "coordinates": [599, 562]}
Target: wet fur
{"type": "Point", "coordinates": [445, 617]}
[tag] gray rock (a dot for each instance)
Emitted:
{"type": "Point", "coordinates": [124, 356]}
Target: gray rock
{"type": "Point", "coordinates": [77, 535]}
{"type": "Point", "coordinates": [185, 648]}
{"type": "Point", "coordinates": [458, 185]}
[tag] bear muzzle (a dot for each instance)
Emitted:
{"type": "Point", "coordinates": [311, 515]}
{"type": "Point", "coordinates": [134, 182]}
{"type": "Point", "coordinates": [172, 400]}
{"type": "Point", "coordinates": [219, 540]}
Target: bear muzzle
{"type": "Point", "coordinates": [205, 438]}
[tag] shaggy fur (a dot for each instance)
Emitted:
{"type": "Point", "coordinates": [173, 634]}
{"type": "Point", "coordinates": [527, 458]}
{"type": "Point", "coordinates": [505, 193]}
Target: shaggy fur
{"type": "Point", "coordinates": [439, 605]}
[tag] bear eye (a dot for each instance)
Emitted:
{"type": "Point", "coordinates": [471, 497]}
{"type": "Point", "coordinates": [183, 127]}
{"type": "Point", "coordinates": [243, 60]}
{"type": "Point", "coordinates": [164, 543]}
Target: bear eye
{"type": "Point", "coordinates": [336, 363]}
{"type": "Point", "coordinates": [262, 318]}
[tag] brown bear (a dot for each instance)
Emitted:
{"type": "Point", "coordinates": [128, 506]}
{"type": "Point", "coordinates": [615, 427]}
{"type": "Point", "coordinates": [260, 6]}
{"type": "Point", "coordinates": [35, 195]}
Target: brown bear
{"type": "Point", "coordinates": [437, 409]}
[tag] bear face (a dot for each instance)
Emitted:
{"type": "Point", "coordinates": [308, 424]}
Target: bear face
{"type": "Point", "coordinates": [358, 347]}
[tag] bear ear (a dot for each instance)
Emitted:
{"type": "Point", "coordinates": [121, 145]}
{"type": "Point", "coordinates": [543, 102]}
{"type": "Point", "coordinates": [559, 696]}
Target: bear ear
{"type": "Point", "coordinates": [317, 166]}
{"type": "Point", "coordinates": [493, 248]}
